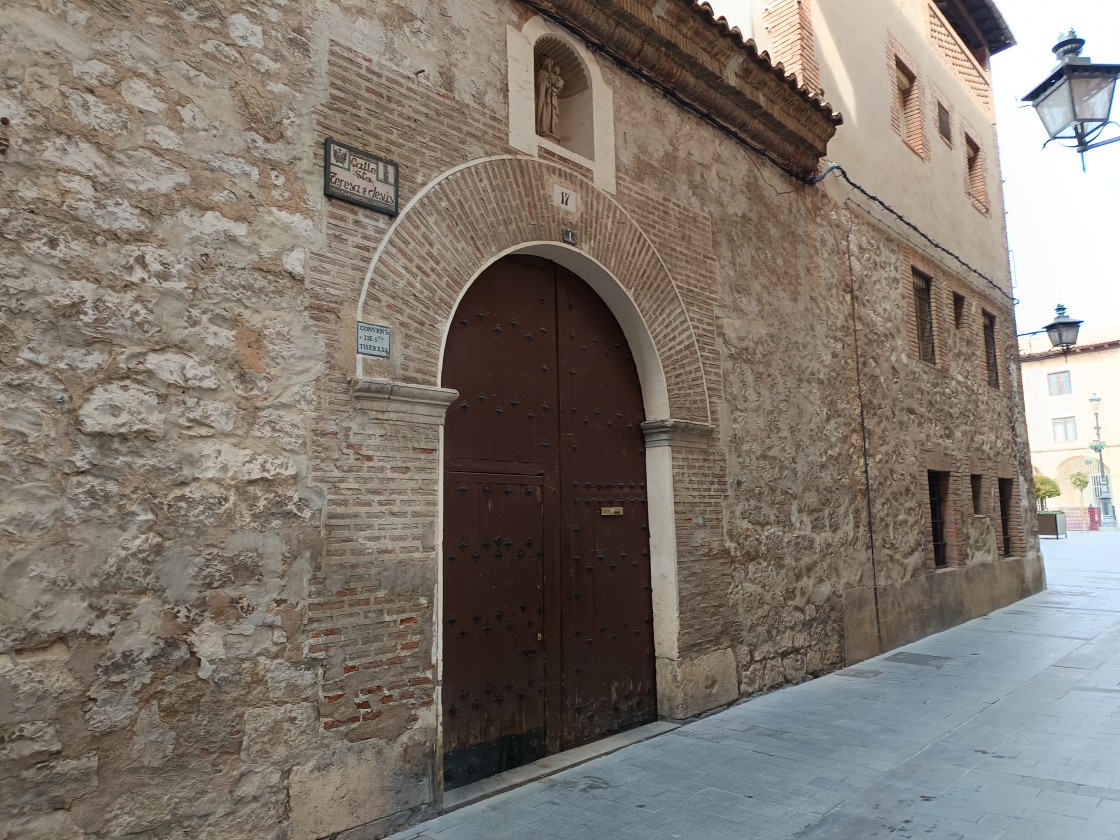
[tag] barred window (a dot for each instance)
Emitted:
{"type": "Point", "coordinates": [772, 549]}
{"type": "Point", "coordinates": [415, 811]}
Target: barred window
{"type": "Point", "coordinates": [938, 505]}
{"type": "Point", "coordinates": [923, 315]}
{"type": "Point", "coordinates": [990, 355]}
{"type": "Point", "coordinates": [1006, 488]}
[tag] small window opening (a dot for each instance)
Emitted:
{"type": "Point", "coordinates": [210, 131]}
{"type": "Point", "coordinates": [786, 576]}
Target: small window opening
{"type": "Point", "coordinates": [977, 494]}
{"type": "Point", "coordinates": [990, 355]}
{"type": "Point", "coordinates": [977, 184]}
{"type": "Point", "coordinates": [958, 309]}
{"type": "Point", "coordinates": [1065, 429]}
{"type": "Point", "coordinates": [944, 124]}
{"type": "Point", "coordinates": [1005, 489]}
{"type": "Point", "coordinates": [938, 505]}
{"type": "Point", "coordinates": [923, 314]}
{"type": "Point", "coordinates": [1059, 383]}
{"type": "Point", "coordinates": [909, 106]}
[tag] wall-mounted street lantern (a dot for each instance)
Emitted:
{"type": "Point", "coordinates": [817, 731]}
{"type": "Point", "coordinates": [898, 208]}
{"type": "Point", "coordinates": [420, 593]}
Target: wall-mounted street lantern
{"type": "Point", "coordinates": [1075, 101]}
{"type": "Point", "coordinates": [1062, 331]}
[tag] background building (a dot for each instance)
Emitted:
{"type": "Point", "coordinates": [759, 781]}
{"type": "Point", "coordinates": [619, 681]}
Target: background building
{"type": "Point", "coordinates": [1060, 419]}
{"type": "Point", "coordinates": [399, 392]}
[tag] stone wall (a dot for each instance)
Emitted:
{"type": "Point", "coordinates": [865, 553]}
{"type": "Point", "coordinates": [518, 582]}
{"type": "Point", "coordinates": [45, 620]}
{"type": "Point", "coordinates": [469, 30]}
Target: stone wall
{"type": "Point", "coordinates": [220, 548]}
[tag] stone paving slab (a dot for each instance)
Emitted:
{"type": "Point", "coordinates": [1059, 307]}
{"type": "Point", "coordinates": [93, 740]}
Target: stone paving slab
{"type": "Point", "coordinates": [1006, 728]}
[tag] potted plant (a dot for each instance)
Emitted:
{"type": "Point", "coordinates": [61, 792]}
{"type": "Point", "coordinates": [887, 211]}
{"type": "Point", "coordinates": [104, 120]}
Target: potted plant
{"type": "Point", "coordinates": [1051, 523]}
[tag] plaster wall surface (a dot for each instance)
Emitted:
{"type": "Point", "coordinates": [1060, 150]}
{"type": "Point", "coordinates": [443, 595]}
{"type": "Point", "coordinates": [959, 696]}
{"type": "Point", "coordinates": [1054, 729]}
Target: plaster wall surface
{"type": "Point", "coordinates": [1092, 369]}
{"type": "Point", "coordinates": [927, 177]}
{"type": "Point", "coordinates": [223, 614]}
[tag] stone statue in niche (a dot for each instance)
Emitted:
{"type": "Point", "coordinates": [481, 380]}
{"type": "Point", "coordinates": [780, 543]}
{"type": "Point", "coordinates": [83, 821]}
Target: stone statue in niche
{"type": "Point", "coordinates": [549, 85]}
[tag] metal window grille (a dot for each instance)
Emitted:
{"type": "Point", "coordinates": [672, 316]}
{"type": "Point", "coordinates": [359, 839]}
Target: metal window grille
{"type": "Point", "coordinates": [923, 314]}
{"type": "Point", "coordinates": [990, 349]}
{"type": "Point", "coordinates": [1005, 488]}
{"type": "Point", "coordinates": [938, 501]}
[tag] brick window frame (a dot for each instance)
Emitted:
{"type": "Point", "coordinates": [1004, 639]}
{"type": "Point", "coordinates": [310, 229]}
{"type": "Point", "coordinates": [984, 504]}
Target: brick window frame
{"type": "Point", "coordinates": [960, 303]}
{"type": "Point", "coordinates": [991, 348]}
{"type": "Point", "coordinates": [943, 116]}
{"type": "Point", "coordinates": [923, 316]}
{"type": "Point", "coordinates": [938, 461]}
{"type": "Point", "coordinates": [1009, 536]}
{"type": "Point", "coordinates": [908, 100]}
{"type": "Point", "coordinates": [979, 502]}
{"type": "Point", "coordinates": [975, 173]}
{"type": "Point", "coordinates": [938, 483]}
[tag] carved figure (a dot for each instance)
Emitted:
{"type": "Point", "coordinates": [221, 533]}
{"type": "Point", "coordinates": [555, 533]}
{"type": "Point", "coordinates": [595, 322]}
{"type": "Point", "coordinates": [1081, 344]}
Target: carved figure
{"type": "Point", "coordinates": [549, 85]}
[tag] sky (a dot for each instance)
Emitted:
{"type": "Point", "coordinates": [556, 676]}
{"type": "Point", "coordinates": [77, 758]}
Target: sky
{"type": "Point", "coordinates": [1062, 224]}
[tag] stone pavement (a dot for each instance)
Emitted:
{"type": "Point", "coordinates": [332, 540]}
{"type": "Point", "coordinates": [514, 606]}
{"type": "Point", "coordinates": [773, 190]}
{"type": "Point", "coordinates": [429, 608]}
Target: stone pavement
{"type": "Point", "coordinates": [1006, 727]}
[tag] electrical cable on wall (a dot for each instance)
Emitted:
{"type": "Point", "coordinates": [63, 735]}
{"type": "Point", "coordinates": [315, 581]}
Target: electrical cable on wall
{"type": "Point", "coordinates": [835, 167]}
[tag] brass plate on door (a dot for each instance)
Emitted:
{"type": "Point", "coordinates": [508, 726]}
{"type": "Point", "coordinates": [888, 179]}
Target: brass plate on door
{"type": "Point", "coordinates": [610, 511]}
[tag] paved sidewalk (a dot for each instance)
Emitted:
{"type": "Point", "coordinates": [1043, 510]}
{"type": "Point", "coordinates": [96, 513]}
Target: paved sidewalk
{"type": "Point", "coordinates": [1006, 727]}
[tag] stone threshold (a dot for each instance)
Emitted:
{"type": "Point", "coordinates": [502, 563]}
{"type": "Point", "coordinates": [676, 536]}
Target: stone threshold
{"type": "Point", "coordinates": [510, 779]}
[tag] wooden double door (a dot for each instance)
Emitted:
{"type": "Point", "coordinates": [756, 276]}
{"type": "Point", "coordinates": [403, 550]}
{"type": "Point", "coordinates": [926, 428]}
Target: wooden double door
{"type": "Point", "coordinates": [547, 613]}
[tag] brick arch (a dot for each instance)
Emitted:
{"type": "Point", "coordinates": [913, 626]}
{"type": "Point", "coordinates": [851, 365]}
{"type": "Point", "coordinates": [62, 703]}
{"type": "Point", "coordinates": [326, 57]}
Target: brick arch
{"type": "Point", "coordinates": [471, 216]}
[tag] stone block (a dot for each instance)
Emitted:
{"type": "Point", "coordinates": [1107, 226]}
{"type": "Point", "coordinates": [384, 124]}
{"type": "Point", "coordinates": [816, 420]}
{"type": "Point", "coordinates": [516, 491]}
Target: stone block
{"type": "Point", "coordinates": [349, 785]}
{"type": "Point", "coordinates": [689, 687]}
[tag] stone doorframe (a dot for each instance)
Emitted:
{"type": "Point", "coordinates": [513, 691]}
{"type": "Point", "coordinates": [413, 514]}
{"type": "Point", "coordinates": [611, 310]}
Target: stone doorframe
{"type": "Point", "coordinates": [429, 258]}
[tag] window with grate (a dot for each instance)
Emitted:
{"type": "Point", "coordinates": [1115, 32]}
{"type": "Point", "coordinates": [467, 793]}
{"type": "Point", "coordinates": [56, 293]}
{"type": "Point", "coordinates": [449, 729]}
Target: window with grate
{"type": "Point", "coordinates": [1065, 429]}
{"type": "Point", "coordinates": [909, 103]}
{"type": "Point", "coordinates": [1059, 383]}
{"type": "Point", "coordinates": [977, 494]}
{"type": "Point", "coordinates": [990, 356]}
{"type": "Point", "coordinates": [976, 180]}
{"type": "Point", "coordinates": [944, 124]}
{"type": "Point", "coordinates": [1005, 490]}
{"type": "Point", "coordinates": [938, 505]}
{"type": "Point", "coordinates": [923, 316]}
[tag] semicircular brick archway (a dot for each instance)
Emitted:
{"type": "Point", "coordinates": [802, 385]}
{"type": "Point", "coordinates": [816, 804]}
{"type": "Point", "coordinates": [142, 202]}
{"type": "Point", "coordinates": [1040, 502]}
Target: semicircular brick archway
{"type": "Point", "coordinates": [473, 215]}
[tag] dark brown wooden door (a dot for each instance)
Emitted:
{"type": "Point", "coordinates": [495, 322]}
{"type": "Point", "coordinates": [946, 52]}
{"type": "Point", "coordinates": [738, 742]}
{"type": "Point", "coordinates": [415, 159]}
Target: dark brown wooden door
{"type": "Point", "coordinates": [548, 628]}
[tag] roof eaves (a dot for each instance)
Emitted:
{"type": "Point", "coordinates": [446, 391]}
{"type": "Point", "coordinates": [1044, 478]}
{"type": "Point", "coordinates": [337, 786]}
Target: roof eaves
{"type": "Point", "coordinates": [732, 33]}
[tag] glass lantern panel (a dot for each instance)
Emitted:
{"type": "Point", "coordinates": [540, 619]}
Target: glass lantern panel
{"type": "Point", "coordinates": [1055, 108]}
{"type": "Point", "coordinates": [1063, 334]}
{"type": "Point", "coordinates": [1092, 96]}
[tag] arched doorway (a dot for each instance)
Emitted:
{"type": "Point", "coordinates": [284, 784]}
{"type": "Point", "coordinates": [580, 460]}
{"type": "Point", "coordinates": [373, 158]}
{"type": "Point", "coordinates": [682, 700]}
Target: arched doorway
{"type": "Point", "coordinates": [547, 616]}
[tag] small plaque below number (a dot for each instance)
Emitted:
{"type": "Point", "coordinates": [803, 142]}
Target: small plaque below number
{"type": "Point", "coordinates": [611, 511]}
